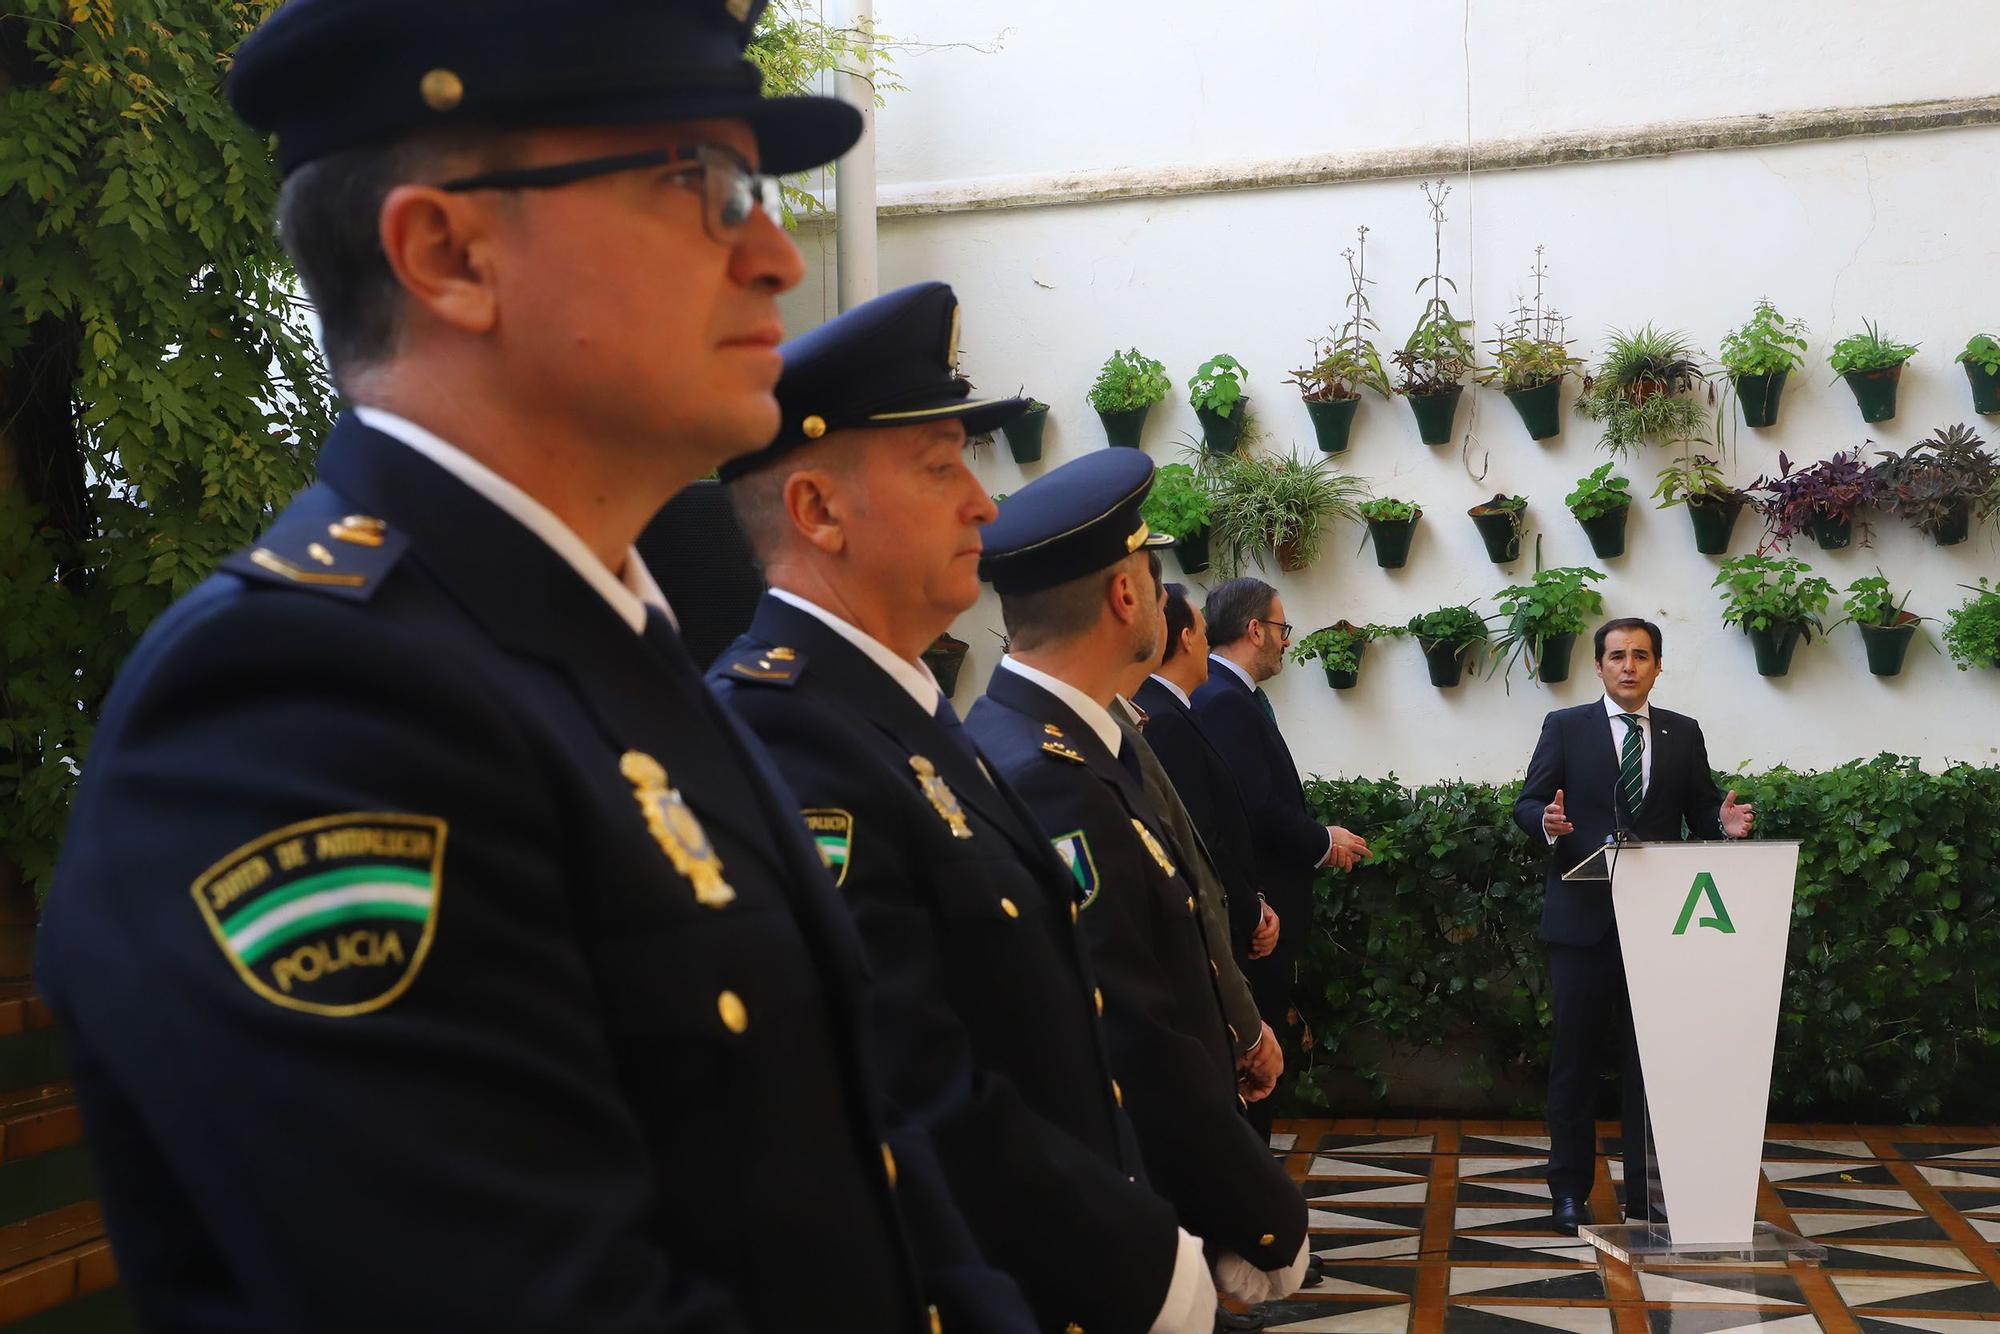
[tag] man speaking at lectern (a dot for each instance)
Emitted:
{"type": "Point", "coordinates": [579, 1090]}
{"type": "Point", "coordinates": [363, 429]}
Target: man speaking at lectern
{"type": "Point", "coordinates": [1615, 765]}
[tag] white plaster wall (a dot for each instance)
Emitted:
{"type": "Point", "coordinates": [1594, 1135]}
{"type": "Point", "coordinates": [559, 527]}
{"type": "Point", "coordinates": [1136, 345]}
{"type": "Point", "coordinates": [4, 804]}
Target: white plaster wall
{"type": "Point", "coordinates": [1898, 229]}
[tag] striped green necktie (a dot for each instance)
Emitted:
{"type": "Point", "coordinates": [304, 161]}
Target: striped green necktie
{"type": "Point", "coordinates": [1631, 764]}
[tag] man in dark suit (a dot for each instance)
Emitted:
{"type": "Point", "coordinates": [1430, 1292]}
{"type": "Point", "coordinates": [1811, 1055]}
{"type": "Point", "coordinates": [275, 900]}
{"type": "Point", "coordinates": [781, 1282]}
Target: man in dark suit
{"type": "Point", "coordinates": [1205, 788]}
{"type": "Point", "coordinates": [1080, 596]}
{"type": "Point", "coordinates": [1615, 764]}
{"type": "Point", "coordinates": [1247, 634]}
{"type": "Point", "coordinates": [433, 951]}
{"type": "Point", "coordinates": [866, 521]}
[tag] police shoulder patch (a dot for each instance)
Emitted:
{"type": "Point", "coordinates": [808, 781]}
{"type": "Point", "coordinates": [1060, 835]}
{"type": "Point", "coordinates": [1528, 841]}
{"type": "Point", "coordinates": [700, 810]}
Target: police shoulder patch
{"type": "Point", "coordinates": [832, 833]}
{"type": "Point", "coordinates": [777, 665]}
{"type": "Point", "coordinates": [1074, 849]}
{"type": "Point", "coordinates": [333, 916]}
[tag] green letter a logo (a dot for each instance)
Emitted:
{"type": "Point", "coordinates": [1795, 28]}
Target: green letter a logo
{"type": "Point", "coordinates": [1704, 883]}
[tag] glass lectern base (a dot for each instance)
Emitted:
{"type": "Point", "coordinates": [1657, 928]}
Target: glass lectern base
{"type": "Point", "coordinates": [1642, 1244]}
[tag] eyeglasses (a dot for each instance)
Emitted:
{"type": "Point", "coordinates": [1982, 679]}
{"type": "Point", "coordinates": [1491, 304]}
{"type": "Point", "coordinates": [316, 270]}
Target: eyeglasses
{"type": "Point", "coordinates": [732, 193]}
{"type": "Point", "coordinates": [1284, 628]}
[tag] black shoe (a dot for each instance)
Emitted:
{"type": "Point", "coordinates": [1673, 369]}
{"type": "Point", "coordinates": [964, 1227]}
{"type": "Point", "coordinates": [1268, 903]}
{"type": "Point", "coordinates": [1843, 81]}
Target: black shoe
{"type": "Point", "coordinates": [1570, 1213]}
{"type": "Point", "coordinates": [1316, 1271]}
{"type": "Point", "coordinates": [1229, 1322]}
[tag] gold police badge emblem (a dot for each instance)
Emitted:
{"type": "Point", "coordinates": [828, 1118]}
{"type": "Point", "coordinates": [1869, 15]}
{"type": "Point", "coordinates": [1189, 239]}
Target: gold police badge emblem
{"type": "Point", "coordinates": [943, 800]}
{"type": "Point", "coordinates": [677, 831]}
{"type": "Point", "coordinates": [1153, 846]}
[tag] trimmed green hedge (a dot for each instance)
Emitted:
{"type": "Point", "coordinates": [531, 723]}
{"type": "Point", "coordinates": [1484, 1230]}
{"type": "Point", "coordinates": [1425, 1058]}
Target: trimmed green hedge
{"type": "Point", "coordinates": [1892, 990]}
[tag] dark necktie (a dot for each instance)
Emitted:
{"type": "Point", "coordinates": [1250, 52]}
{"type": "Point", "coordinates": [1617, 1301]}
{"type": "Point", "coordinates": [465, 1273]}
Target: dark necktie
{"type": "Point", "coordinates": [1128, 755]}
{"type": "Point", "coordinates": [1265, 700]}
{"type": "Point", "coordinates": [948, 719]}
{"type": "Point", "coordinates": [1631, 764]}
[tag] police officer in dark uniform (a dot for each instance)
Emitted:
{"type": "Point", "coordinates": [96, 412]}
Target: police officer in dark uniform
{"type": "Point", "coordinates": [866, 521]}
{"type": "Point", "coordinates": [434, 951]}
{"type": "Point", "coordinates": [1079, 589]}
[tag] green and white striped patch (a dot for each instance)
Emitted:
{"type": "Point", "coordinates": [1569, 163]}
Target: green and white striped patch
{"type": "Point", "coordinates": [832, 831]}
{"type": "Point", "coordinates": [332, 916]}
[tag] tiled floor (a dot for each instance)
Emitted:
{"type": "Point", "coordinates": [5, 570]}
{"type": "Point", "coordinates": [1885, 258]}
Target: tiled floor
{"type": "Point", "coordinates": [1442, 1227]}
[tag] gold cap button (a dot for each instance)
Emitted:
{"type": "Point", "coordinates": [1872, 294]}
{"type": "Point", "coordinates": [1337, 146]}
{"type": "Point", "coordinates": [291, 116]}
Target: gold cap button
{"type": "Point", "coordinates": [1117, 1094]}
{"type": "Point", "coordinates": [814, 426]}
{"type": "Point", "coordinates": [1007, 906]}
{"type": "Point", "coordinates": [734, 1017]}
{"type": "Point", "coordinates": [889, 1165]}
{"type": "Point", "coordinates": [1266, 1239]}
{"type": "Point", "coordinates": [441, 89]}
{"type": "Point", "coordinates": [1097, 994]}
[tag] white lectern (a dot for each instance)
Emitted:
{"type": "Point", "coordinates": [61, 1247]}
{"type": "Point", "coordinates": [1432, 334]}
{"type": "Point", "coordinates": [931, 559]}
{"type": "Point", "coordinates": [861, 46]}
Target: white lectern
{"type": "Point", "coordinates": [1703, 929]}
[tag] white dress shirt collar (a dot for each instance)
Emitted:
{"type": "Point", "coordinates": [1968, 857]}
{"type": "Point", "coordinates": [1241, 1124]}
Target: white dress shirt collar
{"type": "Point", "coordinates": [629, 596]}
{"type": "Point", "coordinates": [913, 677]}
{"type": "Point", "coordinates": [1615, 712]}
{"type": "Point", "coordinates": [1095, 716]}
{"type": "Point", "coordinates": [1176, 691]}
{"type": "Point", "coordinates": [1241, 675]}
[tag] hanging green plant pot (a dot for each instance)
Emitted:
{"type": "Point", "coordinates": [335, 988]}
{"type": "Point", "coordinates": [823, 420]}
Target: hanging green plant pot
{"type": "Point", "coordinates": [1347, 680]}
{"type": "Point", "coordinates": [1445, 660]}
{"type": "Point", "coordinates": [1886, 644]}
{"type": "Point", "coordinates": [1832, 534]}
{"type": "Point", "coordinates": [1714, 520]}
{"type": "Point", "coordinates": [1985, 390]}
{"type": "Point", "coordinates": [1758, 396]}
{"type": "Point", "coordinates": [1956, 525]}
{"type": "Point", "coordinates": [1332, 419]}
{"type": "Point", "coordinates": [1219, 434]}
{"type": "Point", "coordinates": [1606, 531]}
{"type": "Point", "coordinates": [1024, 435]}
{"type": "Point", "coordinates": [1192, 551]}
{"type": "Point", "coordinates": [1552, 658]}
{"type": "Point", "coordinates": [1392, 541]}
{"type": "Point", "coordinates": [945, 657]}
{"type": "Point", "coordinates": [1434, 413]}
{"type": "Point", "coordinates": [1123, 428]}
{"type": "Point", "coordinates": [1773, 647]}
{"type": "Point", "coordinates": [1500, 529]}
{"type": "Point", "coordinates": [1875, 391]}
{"type": "Point", "coordinates": [1540, 408]}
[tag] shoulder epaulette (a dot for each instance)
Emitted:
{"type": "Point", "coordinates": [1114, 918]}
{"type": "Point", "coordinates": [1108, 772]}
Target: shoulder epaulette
{"type": "Point", "coordinates": [773, 666]}
{"type": "Point", "coordinates": [344, 555]}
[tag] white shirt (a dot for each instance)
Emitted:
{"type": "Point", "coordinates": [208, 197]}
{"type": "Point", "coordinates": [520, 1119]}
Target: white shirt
{"type": "Point", "coordinates": [1095, 716]}
{"type": "Point", "coordinates": [1177, 692]}
{"type": "Point", "coordinates": [1618, 730]}
{"type": "Point", "coordinates": [629, 596]}
{"type": "Point", "coordinates": [913, 677]}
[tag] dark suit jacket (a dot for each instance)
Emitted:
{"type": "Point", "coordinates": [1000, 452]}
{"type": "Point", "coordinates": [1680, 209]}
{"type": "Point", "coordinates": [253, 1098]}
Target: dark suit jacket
{"type": "Point", "coordinates": [1290, 842]}
{"type": "Point", "coordinates": [1576, 754]}
{"type": "Point", "coordinates": [982, 993]}
{"type": "Point", "coordinates": [1168, 1044]}
{"type": "Point", "coordinates": [572, 1095]}
{"type": "Point", "coordinates": [1208, 789]}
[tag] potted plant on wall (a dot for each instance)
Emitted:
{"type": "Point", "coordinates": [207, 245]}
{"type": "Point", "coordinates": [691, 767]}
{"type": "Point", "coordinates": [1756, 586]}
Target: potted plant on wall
{"type": "Point", "coordinates": [1434, 362]}
{"type": "Point", "coordinates": [1602, 503]}
{"type": "Point", "coordinates": [1758, 356]}
{"type": "Point", "coordinates": [1886, 629]}
{"type": "Point", "coordinates": [1024, 433]}
{"type": "Point", "coordinates": [1644, 390]}
{"type": "Point", "coordinates": [1981, 360]}
{"type": "Point", "coordinates": [1822, 499]}
{"type": "Point", "coordinates": [1712, 504]}
{"type": "Point", "coordinates": [1338, 648]}
{"type": "Point", "coordinates": [945, 657]}
{"type": "Point", "coordinates": [1501, 521]}
{"type": "Point", "coordinates": [1279, 503]}
{"type": "Point", "coordinates": [1127, 386]}
{"type": "Point", "coordinates": [1530, 361]}
{"type": "Point", "coordinates": [1777, 600]}
{"type": "Point", "coordinates": [1391, 525]}
{"type": "Point", "coordinates": [1215, 392]}
{"type": "Point", "coordinates": [1344, 363]}
{"type": "Point", "coordinates": [1941, 484]}
{"type": "Point", "coordinates": [1181, 506]}
{"type": "Point", "coordinates": [1872, 366]}
{"type": "Point", "coordinates": [1972, 629]}
{"type": "Point", "coordinates": [1449, 637]}
{"type": "Point", "coordinates": [1542, 619]}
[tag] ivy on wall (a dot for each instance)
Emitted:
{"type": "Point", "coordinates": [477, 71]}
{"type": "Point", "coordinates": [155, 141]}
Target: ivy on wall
{"type": "Point", "coordinates": [1891, 1004]}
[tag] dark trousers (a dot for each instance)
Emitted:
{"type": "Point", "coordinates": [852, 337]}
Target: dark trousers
{"type": "Point", "coordinates": [1593, 1020]}
{"type": "Point", "coordinates": [1270, 980]}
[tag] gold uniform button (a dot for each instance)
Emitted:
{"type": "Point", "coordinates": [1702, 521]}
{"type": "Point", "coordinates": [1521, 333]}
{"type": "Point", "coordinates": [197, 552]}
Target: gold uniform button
{"type": "Point", "coordinates": [1097, 994]}
{"type": "Point", "coordinates": [1117, 1094]}
{"type": "Point", "coordinates": [734, 1017]}
{"type": "Point", "coordinates": [1072, 1328]}
{"type": "Point", "coordinates": [1190, 903]}
{"type": "Point", "coordinates": [1266, 1239]}
{"type": "Point", "coordinates": [889, 1165]}
{"type": "Point", "coordinates": [1007, 906]}
{"type": "Point", "coordinates": [813, 427]}
{"type": "Point", "coordinates": [441, 89]}
{"type": "Point", "coordinates": [937, 1322]}
{"type": "Point", "coordinates": [1072, 912]}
